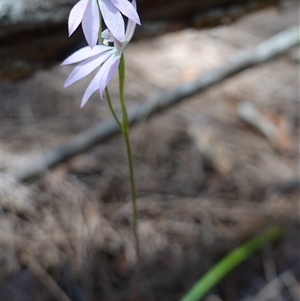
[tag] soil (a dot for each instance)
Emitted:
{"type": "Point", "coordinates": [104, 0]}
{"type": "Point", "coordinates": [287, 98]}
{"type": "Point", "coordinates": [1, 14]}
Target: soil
{"type": "Point", "coordinates": [68, 233]}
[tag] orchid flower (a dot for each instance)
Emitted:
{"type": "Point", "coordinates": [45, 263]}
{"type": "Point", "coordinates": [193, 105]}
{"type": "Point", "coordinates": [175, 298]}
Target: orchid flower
{"type": "Point", "coordinates": [107, 57]}
{"type": "Point", "coordinates": [87, 13]}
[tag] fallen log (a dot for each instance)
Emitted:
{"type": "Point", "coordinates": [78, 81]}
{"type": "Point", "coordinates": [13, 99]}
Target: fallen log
{"type": "Point", "coordinates": [264, 52]}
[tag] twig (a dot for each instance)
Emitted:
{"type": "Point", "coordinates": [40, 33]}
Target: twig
{"type": "Point", "coordinates": [264, 52]}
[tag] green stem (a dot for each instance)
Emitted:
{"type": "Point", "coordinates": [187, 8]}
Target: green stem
{"type": "Point", "coordinates": [230, 261]}
{"type": "Point", "coordinates": [129, 153]}
{"type": "Point", "coordinates": [112, 109]}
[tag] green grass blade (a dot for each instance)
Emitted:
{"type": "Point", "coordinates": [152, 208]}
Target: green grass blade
{"type": "Point", "coordinates": [228, 263]}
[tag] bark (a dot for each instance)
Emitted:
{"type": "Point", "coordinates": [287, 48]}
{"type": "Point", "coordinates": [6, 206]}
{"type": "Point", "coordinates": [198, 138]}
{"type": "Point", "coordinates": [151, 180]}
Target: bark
{"type": "Point", "coordinates": [34, 33]}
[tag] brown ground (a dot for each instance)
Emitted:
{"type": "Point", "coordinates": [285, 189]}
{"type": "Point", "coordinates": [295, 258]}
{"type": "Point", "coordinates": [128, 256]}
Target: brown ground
{"type": "Point", "coordinates": [73, 225]}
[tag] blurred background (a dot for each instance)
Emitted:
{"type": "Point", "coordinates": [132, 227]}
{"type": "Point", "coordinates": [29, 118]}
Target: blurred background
{"type": "Point", "coordinates": [208, 177]}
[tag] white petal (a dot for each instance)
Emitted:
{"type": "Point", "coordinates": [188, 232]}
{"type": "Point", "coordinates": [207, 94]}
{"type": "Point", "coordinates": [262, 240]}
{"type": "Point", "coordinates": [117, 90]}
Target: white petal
{"type": "Point", "coordinates": [129, 31]}
{"type": "Point", "coordinates": [85, 53]}
{"type": "Point", "coordinates": [134, 4]}
{"type": "Point", "coordinates": [127, 9]}
{"type": "Point", "coordinates": [130, 27]}
{"type": "Point", "coordinates": [76, 15]}
{"type": "Point", "coordinates": [91, 23]}
{"type": "Point", "coordinates": [113, 19]}
{"type": "Point", "coordinates": [107, 72]}
{"type": "Point", "coordinates": [92, 87]}
{"type": "Point", "coordinates": [86, 68]}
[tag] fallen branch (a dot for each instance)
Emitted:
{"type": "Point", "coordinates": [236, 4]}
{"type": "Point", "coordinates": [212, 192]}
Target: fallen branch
{"type": "Point", "coordinates": [264, 52]}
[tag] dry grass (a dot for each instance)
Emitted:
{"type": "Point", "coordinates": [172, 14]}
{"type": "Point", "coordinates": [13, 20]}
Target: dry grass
{"type": "Point", "coordinates": [73, 225]}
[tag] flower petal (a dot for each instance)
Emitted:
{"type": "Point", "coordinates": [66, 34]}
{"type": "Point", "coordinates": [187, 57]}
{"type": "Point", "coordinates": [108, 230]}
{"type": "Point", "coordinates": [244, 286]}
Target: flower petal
{"type": "Point", "coordinates": [127, 9]}
{"type": "Point", "coordinates": [86, 68]}
{"type": "Point", "coordinates": [134, 4]}
{"type": "Point", "coordinates": [91, 23]}
{"type": "Point", "coordinates": [130, 27]}
{"type": "Point", "coordinates": [101, 79]}
{"type": "Point", "coordinates": [85, 53]}
{"type": "Point", "coordinates": [92, 87]}
{"type": "Point", "coordinates": [113, 19]}
{"type": "Point", "coordinates": [107, 72]}
{"type": "Point", "coordinates": [76, 15]}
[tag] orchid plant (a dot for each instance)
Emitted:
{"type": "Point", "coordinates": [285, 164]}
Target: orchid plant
{"type": "Point", "coordinates": [105, 51]}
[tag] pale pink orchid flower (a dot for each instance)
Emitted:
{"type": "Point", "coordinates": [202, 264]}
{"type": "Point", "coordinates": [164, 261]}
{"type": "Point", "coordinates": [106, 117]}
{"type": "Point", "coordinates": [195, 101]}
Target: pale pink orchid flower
{"type": "Point", "coordinates": [86, 12]}
{"type": "Point", "coordinates": [107, 57]}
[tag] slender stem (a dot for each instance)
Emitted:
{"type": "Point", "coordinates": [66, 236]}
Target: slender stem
{"type": "Point", "coordinates": [129, 154]}
{"type": "Point", "coordinates": [112, 109]}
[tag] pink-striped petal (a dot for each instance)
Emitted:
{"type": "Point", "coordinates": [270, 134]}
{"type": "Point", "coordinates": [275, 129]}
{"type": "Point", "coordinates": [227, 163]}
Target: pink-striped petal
{"type": "Point", "coordinates": [86, 68]}
{"type": "Point", "coordinates": [91, 23]}
{"type": "Point", "coordinates": [85, 53]}
{"type": "Point", "coordinates": [113, 19]}
{"type": "Point", "coordinates": [76, 15]}
{"type": "Point", "coordinates": [107, 72]}
{"type": "Point", "coordinates": [127, 9]}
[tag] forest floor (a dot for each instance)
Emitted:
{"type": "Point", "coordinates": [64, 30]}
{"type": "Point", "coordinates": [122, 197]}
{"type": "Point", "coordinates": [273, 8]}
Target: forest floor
{"type": "Point", "coordinates": [72, 225]}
